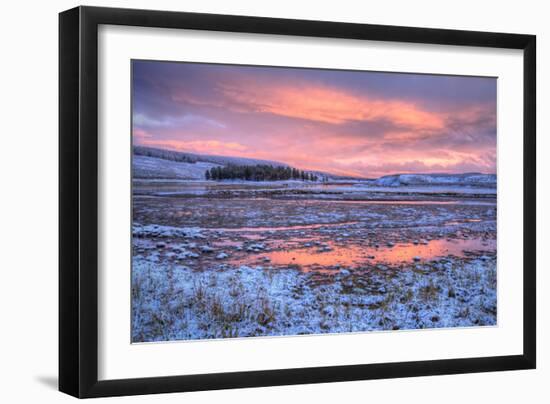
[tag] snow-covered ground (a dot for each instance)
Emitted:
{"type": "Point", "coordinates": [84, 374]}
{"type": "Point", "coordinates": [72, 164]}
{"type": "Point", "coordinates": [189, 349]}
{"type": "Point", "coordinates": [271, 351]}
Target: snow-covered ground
{"type": "Point", "coordinates": [220, 259]}
{"type": "Point", "coordinates": [216, 267]}
{"type": "Point", "coordinates": [469, 179]}
{"type": "Point", "coordinates": [155, 168]}
{"type": "Point", "coordinates": [176, 302]}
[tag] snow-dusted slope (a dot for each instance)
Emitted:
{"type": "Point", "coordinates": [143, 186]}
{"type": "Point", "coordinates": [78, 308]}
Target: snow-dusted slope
{"type": "Point", "coordinates": [469, 179]}
{"type": "Point", "coordinates": [151, 167]}
{"type": "Point", "coordinates": [168, 164]}
{"type": "Point", "coordinates": [177, 156]}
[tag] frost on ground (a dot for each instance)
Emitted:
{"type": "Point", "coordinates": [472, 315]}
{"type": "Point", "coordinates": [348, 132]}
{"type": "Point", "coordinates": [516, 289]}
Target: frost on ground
{"type": "Point", "coordinates": [227, 259]}
{"type": "Point", "coordinates": [174, 302]}
{"type": "Point", "coordinates": [150, 167]}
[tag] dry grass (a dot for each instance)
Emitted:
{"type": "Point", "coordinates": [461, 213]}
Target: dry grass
{"type": "Point", "coordinates": [225, 305]}
{"type": "Point", "coordinates": [429, 292]}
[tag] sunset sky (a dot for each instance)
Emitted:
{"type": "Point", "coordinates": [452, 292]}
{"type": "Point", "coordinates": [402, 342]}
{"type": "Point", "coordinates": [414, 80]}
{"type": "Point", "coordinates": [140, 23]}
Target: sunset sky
{"type": "Point", "coordinates": [343, 122]}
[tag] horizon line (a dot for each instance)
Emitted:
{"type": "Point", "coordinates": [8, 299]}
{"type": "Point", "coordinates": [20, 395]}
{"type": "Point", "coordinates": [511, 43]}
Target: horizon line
{"type": "Point", "coordinates": [313, 170]}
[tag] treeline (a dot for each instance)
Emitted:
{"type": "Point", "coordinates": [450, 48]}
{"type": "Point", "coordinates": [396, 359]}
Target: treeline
{"type": "Point", "coordinates": [259, 172]}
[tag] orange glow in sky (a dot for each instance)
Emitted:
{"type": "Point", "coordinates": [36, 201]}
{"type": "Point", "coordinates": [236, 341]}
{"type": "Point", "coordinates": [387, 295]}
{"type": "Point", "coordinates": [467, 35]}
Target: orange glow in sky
{"type": "Point", "coordinates": [350, 123]}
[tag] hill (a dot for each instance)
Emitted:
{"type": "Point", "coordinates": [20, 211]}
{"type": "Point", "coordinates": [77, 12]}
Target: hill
{"type": "Point", "coordinates": [149, 162]}
{"type": "Point", "coordinates": [467, 179]}
{"type": "Point", "coordinates": [185, 157]}
{"type": "Point", "coordinates": [153, 163]}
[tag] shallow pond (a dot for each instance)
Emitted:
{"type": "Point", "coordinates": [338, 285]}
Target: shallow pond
{"type": "Point", "coordinates": [331, 254]}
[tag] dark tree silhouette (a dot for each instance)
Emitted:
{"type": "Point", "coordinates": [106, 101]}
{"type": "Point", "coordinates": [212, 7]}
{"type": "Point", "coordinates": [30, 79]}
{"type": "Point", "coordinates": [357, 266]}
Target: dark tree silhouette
{"type": "Point", "coordinates": [259, 172]}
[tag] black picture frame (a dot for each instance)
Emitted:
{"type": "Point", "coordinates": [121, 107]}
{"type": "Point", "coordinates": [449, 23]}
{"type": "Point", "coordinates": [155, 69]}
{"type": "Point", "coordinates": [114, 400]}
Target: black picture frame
{"type": "Point", "coordinates": [78, 201]}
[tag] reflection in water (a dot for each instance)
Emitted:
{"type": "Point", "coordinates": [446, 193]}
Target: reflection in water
{"type": "Point", "coordinates": [458, 222]}
{"type": "Point", "coordinates": [354, 255]}
{"type": "Point", "coordinates": [407, 202]}
{"type": "Point", "coordinates": [281, 228]}
{"type": "Point", "coordinates": [386, 202]}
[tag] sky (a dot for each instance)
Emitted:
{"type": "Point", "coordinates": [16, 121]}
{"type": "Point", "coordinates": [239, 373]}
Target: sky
{"type": "Point", "coordinates": [355, 123]}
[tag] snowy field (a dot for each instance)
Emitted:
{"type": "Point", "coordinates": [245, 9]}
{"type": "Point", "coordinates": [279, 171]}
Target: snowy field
{"type": "Point", "coordinates": [151, 168]}
{"type": "Point", "coordinates": [237, 259]}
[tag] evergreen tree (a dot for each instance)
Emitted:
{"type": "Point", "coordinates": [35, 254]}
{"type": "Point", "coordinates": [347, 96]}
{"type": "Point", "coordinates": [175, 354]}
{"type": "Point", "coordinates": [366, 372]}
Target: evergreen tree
{"type": "Point", "coordinates": [258, 172]}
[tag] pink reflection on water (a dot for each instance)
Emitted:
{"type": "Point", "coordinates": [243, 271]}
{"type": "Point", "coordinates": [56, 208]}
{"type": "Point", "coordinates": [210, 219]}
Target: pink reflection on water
{"type": "Point", "coordinates": [458, 222]}
{"type": "Point", "coordinates": [402, 252]}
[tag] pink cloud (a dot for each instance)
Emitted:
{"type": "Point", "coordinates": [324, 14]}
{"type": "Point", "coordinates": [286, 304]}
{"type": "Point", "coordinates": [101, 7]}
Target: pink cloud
{"type": "Point", "coordinates": [140, 135]}
{"type": "Point", "coordinates": [326, 137]}
{"type": "Point", "coordinates": [197, 146]}
{"type": "Point", "coordinates": [318, 103]}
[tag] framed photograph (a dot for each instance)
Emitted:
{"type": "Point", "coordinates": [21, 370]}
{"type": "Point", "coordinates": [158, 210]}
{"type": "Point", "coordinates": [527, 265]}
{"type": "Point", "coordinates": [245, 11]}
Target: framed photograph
{"type": "Point", "coordinates": [251, 201]}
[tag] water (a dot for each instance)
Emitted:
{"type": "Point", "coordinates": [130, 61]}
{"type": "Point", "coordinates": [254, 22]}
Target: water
{"type": "Point", "coordinates": [354, 255]}
{"type": "Point", "coordinates": [280, 228]}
